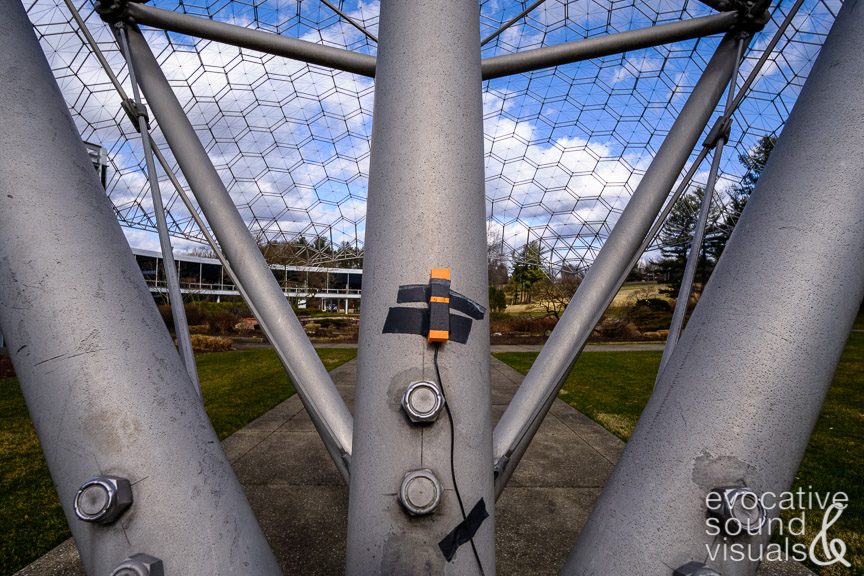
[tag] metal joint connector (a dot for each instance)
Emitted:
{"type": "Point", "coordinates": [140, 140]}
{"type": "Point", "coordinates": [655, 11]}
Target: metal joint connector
{"type": "Point", "coordinates": [140, 565]}
{"type": "Point", "coordinates": [112, 11]}
{"type": "Point", "coordinates": [423, 401]}
{"type": "Point", "coordinates": [103, 499]}
{"type": "Point", "coordinates": [721, 130]}
{"type": "Point", "coordinates": [134, 112]}
{"type": "Point", "coordinates": [752, 15]}
{"type": "Point", "coordinates": [738, 510]}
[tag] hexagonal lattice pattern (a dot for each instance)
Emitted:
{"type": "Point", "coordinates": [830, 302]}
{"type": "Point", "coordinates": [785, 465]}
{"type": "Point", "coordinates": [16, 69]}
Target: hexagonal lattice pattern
{"type": "Point", "coordinates": [565, 147]}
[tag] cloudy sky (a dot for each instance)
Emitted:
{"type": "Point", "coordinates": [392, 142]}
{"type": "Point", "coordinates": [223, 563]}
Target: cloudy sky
{"type": "Point", "coordinates": [565, 147]}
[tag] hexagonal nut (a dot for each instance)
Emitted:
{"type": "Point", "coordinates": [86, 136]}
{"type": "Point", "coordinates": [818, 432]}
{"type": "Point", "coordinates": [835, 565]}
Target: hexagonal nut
{"type": "Point", "coordinates": [103, 499]}
{"type": "Point", "coordinates": [420, 492]}
{"type": "Point", "coordinates": [739, 510]}
{"type": "Point", "coordinates": [423, 401]}
{"type": "Point", "coordinates": [140, 565]}
{"type": "Point", "coordinates": [695, 569]}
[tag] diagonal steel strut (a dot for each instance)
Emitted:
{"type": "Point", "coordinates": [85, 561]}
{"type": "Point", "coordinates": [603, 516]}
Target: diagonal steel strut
{"type": "Point", "coordinates": [104, 385]}
{"type": "Point", "coordinates": [314, 386]}
{"type": "Point", "coordinates": [540, 387]}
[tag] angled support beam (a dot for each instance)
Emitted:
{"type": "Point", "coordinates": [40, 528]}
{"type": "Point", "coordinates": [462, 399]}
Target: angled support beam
{"type": "Point", "coordinates": [512, 21]}
{"type": "Point", "coordinates": [163, 162]}
{"type": "Point", "coordinates": [103, 383]}
{"type": "Point", "coordinates": [326, 408]}
{"type": "Point", "coordinates": [252, 39]}
{"type": "Point", "coordinates": [540, 387]}
{"type": "Point", "coordinates": [686, 288]}
{"type": "Point", "coordinates": [716, 139]}
{"type": "Point", "coordinates": [744, 387]}
{"type": "Point", "coordinates": [172, 276]}
{"type": "Point", "coordinates": [350, 20]}
{"type": "Point", "coordinates": [529, 60]}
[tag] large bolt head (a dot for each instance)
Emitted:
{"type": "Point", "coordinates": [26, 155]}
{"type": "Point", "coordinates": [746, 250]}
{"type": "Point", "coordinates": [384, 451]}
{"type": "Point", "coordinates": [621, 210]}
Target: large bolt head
{"type": "Point", "coordinates": [420, 492]}
{"type": "Point", "coordinates": [140, 565]}
{"type": "Point", "coordinates": [103, 499]}
{"type": "Point", "coordinates": [738, 509]}
{"type": "Point", "coordinates": [695, 569]}
{"type": "Point", "coordinates": [423, 401]}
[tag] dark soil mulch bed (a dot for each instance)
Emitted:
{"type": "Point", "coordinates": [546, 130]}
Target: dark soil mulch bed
{"type": "Point", "coordinates": [6, 370]}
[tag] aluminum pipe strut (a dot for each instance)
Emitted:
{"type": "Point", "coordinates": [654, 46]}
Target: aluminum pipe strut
{"type": "Point", "coordinates": [743, 389]}
{"type": "Point", "coordinates": [268, 42]}
{"type": "Point", "coordinates": [540, 387]}
{"type": "Point", "coordinates": [326, 407]}
{"type": "Point", "coordinates": [105, 388]}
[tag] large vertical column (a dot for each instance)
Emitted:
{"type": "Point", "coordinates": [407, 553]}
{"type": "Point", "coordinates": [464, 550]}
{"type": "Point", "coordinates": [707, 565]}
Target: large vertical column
{"type": "Point", "coordinates": [739, 397]}
{"type": "Point", "coordinates": [426, 209]}
{"type": "Point", "coordinates": [104, 385]}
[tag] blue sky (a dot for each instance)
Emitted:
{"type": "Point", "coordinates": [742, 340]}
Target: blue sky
{"type": "Point", "coordinates": [565, 147]}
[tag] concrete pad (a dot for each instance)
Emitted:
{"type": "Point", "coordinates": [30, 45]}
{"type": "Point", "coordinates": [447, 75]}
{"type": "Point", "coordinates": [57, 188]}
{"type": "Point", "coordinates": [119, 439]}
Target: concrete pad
{"type": "Point", "coordinates": [302, 504]}
{"type": "Point", "coordinates": [288, 459]}
{"type": "Point", "coordinates": [538, 526]}
{"type": "Point", "coordinates": [305, 527]}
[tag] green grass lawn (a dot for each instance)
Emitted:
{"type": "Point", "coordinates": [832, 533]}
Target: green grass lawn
{"type": "Point", "coordinates": [613, 387]}
{"type": "Point", "coordinates": [237, 388]}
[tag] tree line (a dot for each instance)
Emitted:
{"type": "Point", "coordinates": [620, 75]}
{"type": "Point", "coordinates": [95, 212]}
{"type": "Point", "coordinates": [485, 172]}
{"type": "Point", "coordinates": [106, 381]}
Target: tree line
{"type": "Point", "coordinates": [526, 275]}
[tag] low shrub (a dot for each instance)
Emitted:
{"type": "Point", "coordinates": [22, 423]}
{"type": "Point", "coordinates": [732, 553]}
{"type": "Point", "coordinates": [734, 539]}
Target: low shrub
{"type": "Point", "coordinates": [650, 314]}
{"type": "Point", "coordinates": [522, 325]}
{"type": "Point", "coordinates": [616, 328]}
{"type": "Point", "coordinates": [654, 304]}
{"type": "Point", "coordinates": [203, 343]}
{"type": "Point", "coordinates": [219, 317]}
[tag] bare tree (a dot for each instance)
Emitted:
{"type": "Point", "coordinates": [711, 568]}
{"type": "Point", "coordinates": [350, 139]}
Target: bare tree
{"type": "Point", "coordinates": [553, 294]}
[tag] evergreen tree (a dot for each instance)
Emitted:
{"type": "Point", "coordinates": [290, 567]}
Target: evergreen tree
{"type": "Point", "coordinates": [527, 268]}
{"type": "Point", "coordinates": [676, 238]}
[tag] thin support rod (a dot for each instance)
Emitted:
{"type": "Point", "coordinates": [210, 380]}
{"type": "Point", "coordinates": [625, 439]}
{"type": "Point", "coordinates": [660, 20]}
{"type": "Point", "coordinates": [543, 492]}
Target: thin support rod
{"type": "Point", "coordinates": [166, 167]}
{"type": "Point", "coordinates": [686, 288]}
{"type": "Point", "coordinates": [270, 43]}
{"type": "Point", "coordinates": [742, 391]}
{"type": "Point", "coordinates": [766, 53]}
{"type": "Point", "coordinates": [104, 385]}
{"type": "Point", "coordinates": [528, 60]}
{"type": "Point", "coordinates": [172, 278]}
{"type": "Point", "coordinates": [82, 26]}
{"type": "Point", "coordinates": [730, 109]}
{"type": "Point", "coordinates": [350, 20]}
{"type": "Point", "coordinates": [540, 387]}
{"type": "Point", "coordinates": [202, 226]}
{"type": "Point", "coordinates": [314, 386]}
{"type": "Point", "coordinates": [510, 22]}
{"type": "Point", "coordinates": [426, 210]}
{"type": "Point", "coordinates": [659, 221]}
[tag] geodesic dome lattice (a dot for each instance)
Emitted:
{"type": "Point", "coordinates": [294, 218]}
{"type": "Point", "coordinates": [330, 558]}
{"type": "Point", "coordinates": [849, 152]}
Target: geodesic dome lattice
{"type": "Point", "coordinates": [565, 146]}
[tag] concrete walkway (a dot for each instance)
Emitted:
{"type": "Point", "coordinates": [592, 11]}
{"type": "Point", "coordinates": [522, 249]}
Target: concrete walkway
{"type": "Point", "coordinates": [301, 502]}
